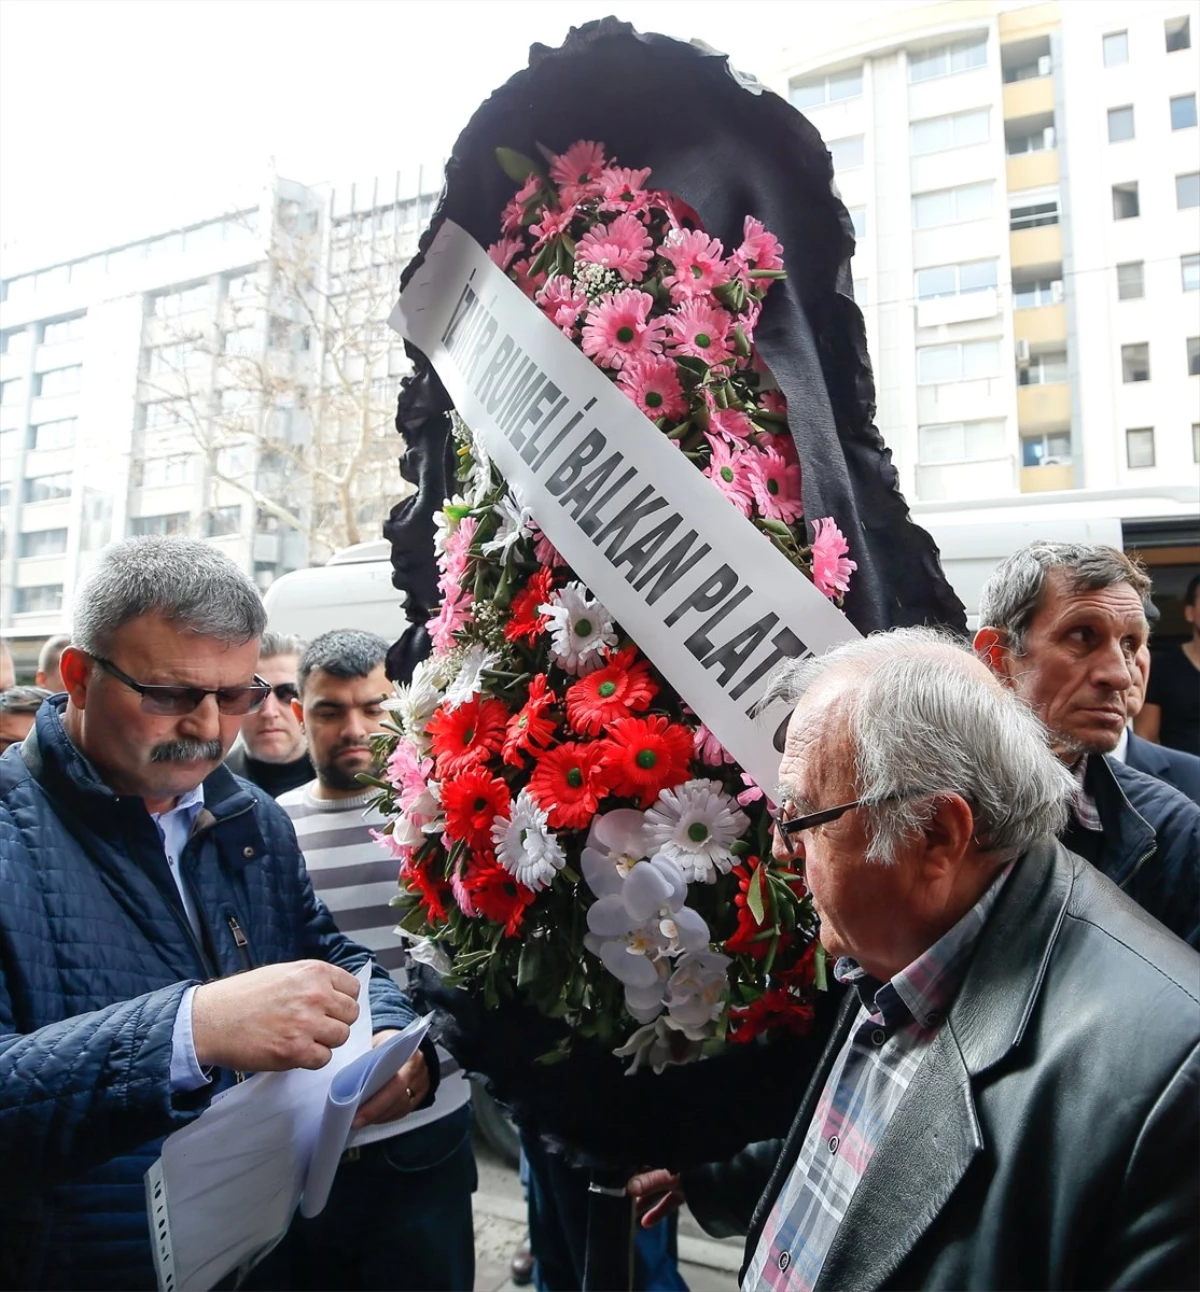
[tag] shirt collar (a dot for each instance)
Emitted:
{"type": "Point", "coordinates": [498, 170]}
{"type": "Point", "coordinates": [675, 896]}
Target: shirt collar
{"type": "Point", "coordinates": [1122, 746]}
{"type": "Point", "coordinates": [1084, 805]}
{"type": "Point", "coordinates": [923, 991]}
{"type": "Point", "coordinates": [187, 806]}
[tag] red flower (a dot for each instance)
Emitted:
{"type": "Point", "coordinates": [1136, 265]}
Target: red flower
{"type": "Point", "coordinates": [467, 736]}
{"type": "Point", "coordinates": [530, 730]}
{"type": "Point", "coordinates": [525, 622]}
{"type": "Point", "coordinates": [777, 1008]}
{"type": "Point", "coordinates": [568, 783]}
{"type": "Point", "coordinates": [472, 800]}
{"type": "Point", "coordinates": [646, 755]}
{"type": "Point", "coordinates": [743, 943]}
{"type": "Point", "coordinates": [619, 688]}
{"type": "Point", "coordinates": [497, 895]}
{"type": "Point", "coordinates": [433, 893]}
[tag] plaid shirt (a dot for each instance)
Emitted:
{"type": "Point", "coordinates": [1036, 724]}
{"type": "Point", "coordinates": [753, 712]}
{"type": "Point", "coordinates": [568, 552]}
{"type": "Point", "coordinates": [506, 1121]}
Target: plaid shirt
{"type": "Point", "coordinates": [883, 1051]}
{"type": "Point", "coordinates": [1084, 806]}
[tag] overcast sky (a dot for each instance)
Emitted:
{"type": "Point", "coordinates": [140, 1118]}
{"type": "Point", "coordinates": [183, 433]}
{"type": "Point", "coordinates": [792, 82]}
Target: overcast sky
{"type": "Point", "coordinates": [119, 118]}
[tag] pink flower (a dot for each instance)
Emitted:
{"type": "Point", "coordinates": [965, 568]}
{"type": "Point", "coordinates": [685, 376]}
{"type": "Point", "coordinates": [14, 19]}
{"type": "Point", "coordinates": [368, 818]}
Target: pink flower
{"type": "Point", "coordinates": [562, 303]}
{"type": "Point", "coordinates": [552, 225]}
{"type": "Point", "coordinates": [702, 330]}
{"type": "Point", "coordinates": [776, 484]}
{"type": "Point", "coordinates": [698, 263]}
{"type": "Point", "coordinates": [730, 424]}
{"type": "Point", "coordinates": [544, 551]}
{"type": "Point", "coordinates": [653, 385]}
{"type": "Point", "coordinates": [729, 472]}
{"type": "Point", "coordinates": [622, 189]}
{"type": "Point", "coordinates": [677, 211]}
{"type": "Point", "coordinates": [619, 328]}
{"type": "Point", "coordinates": [462, 894]}
{"type": "Point", "coordinates": [752, 793]}
{"type": "Point", "coordinates": [831, 569]}
{"type": "Point", "coordinates": [453, 615]}
{"type": "Point", "coordinates": [774, 402]}
{"type": "Point", "coordinates": [708, 748]}
{"type": "Point", "coordinates": [503, 251]}
{"type": "Point", "coordinates": [579, 166]}
{"type": "Point", "coordinates": [457, 550]}
{"type": "Point", "coordinates": [518, 208]}
{"type": "Point", "coordinates": [520, 275]}
{"type": "Point", "coordinates": [622, 246]}
{"type": "Point", "coordinates": [409, 775]}
{"type": "Point", "coordinates": [760, 249]}
{"type": "Point", "coordinates": [401, 851]}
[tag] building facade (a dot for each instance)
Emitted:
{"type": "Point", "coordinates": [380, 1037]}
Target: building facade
{"type": "Point", "coordinates": [233, 380]}
{"type": "Point", "coordinates": [1025, 187]}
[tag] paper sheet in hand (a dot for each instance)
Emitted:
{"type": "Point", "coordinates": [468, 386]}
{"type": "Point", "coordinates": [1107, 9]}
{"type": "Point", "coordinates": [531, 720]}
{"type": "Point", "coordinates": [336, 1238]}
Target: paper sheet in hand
{"type": "Point", "coordinates": [226, 1187]}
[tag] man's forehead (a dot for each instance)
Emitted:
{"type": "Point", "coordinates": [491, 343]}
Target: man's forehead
{"type": "Point", "coordinates": [326, 688]}
{"type": "Point", "coordinates": [1116, 601]}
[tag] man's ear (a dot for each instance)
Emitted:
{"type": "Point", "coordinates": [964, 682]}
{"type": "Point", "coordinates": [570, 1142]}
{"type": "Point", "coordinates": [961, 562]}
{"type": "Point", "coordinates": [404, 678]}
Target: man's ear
{"type": "Point", "coordinates": [948, 835]}
{"type": "Point", "coordinates": [76, 668]}
{"type": "Point", "coordinates": [991, 645]}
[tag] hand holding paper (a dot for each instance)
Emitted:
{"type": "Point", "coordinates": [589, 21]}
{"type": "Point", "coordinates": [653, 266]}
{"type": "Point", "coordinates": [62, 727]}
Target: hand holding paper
{"type": "Point", "coordinates": [404, 1092]}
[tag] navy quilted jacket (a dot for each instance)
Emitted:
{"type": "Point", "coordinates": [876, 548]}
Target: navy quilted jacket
{"type": "Point", "coordinates": [95, 955]}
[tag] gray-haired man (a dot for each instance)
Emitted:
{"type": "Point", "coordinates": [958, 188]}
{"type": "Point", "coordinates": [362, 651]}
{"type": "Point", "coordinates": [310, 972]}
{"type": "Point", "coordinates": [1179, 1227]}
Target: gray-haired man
{"type": "Point", "coordinates": [1062, 624]}
{"type": "Point", "coordinates": [272, 751]}
{"type": "Point", "coordinates": [158, 933]}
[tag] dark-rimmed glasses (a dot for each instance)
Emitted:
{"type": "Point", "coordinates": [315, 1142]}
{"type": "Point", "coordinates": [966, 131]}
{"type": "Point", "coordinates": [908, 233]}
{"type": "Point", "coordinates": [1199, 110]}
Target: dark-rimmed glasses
{"type": "Point", "coordinates": [177, 700]}
{"type": "Point", "coordinates": [789, 828]}
{"type": "Point", "coordinates": [285, 693]}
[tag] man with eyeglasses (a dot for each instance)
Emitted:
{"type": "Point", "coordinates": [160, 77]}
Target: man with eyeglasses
{"type": "Point", "coordinates": [272, 750]}
{"type": "Point", "coordinates": [159, 935]}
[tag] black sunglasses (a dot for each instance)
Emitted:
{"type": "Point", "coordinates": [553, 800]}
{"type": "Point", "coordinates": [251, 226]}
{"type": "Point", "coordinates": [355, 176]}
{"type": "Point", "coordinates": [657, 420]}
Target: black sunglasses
{"type": "Point", "coordinates": [797, 824]}
{"type": "Point", "coordinates": [178, 700]}
{"type": "Point", "coordinates": [284, 692]}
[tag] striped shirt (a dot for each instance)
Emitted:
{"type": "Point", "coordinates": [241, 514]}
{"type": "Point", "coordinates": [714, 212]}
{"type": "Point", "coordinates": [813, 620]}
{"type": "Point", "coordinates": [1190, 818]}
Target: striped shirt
{"type": "Point", "coordinates": [356, 879]}
{"type": "Point", "coordinates": [887, 1042]}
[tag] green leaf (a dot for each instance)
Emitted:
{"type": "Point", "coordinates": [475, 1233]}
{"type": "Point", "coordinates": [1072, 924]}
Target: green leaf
{"type": "Point", "coordinates": [767, 273]}
{"type": "Point", "coordinates": [776, 527]}
{"type": "Point", "coordinates": [756, 897]}
{"type": "Point", "coordinates": [821, 968]}
{"type": "Point", "coordinates": [517, 166]}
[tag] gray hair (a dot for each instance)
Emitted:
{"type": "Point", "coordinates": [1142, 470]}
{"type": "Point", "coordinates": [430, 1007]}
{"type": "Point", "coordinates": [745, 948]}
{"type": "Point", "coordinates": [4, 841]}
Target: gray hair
{"type": "Point", "coordinates": [186, 581]}
{"type": "Point", "coordinates": [51, 652]}
{"type": "Point", "coordinates": [345, 652]}
{"type": "Point", "coordinates": [274, 644]}
{"type": "Point", "coordinates": [1013, 593]}
{"type": "Point", "coordinates": [924, 720]}
{"type": "Point", "coordinates": [23, 699]}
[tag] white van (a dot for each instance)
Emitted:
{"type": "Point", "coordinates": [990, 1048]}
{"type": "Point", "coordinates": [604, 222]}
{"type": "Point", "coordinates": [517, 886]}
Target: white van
{"type": "Point", "coordinates": [354, 590]}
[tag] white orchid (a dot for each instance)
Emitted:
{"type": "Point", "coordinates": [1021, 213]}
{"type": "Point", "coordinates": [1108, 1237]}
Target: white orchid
{"type": "Point", "coordinates": [655, 1045]}
{"type": "Point", "coordinates": [696, 825]}
{"type": "Point", "coordinates": [476, 660]}
{"type": "Point", "coordinates": [525, 845]}
{"type": "Point", "coordinates": [580, 629]}
{"type": "Point", "coordinates": [696, 993]}
{"type": "Point", "coordinates": [515, 522]}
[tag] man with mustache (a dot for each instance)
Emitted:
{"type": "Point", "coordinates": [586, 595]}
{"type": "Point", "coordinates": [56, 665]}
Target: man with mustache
{"type": "Point", "coordinates": [159, 936]}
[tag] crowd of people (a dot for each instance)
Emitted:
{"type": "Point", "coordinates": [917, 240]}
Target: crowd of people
{"type": "Point", "coordinates": [1001, 838]}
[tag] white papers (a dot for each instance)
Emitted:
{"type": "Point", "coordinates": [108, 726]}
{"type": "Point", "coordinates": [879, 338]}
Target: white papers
{"type": "Point", "coordinates": [226, 1187]}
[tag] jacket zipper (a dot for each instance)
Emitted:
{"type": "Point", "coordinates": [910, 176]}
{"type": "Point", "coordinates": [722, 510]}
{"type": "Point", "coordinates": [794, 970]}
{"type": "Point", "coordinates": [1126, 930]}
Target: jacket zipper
{"type": "Point", "coordinates": [240, 939]}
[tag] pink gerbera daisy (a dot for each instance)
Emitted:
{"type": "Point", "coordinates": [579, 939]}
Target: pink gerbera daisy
{"type": "Point", "coordinates": [831, 569]}
{"type": "Point", "coordinates": [698, 263]}
{"type": "Point", "coordinates": [552, 225]}
{"type": "Point", "coordinates": [653, 385]}
{"type": "Point", "coordinates": [760, 248]}
{"type": "Point", "coordinates": [562, 302]}
{"type": "Point", "coordinates": [623, 189]}
{"type": "Point", "coordinates": [619, 329]}
{"type": "Point", "coordinates": [702, 330]}
{"type": "Point", "coordinates": [776, 485]}
{"type": "Point", "coordinates": [502, 252]}
{"type": "Point", "coordinates": [728, 470]}
{"type": "Point", "coordinates": [521, 276]}
{"type": "Point", "coordinates": [677, 211]}
{"type": "Point", "coordinates": [516, 211]}
{"type": "Point", "coordinates": [731, 424]}
{"type": "Point", "coordinates": [774, 402]}
{"type": "Point", "coordinates": [579, 166]}
{"type": "Point", "coordinates": [622, 246]}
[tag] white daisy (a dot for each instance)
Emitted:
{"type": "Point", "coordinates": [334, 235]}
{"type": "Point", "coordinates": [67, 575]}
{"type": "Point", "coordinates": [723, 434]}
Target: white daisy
{"type": "Point", "coordinates": [525, 846]}
{"type": "Point", "coordinates": [469, 681]}
{"type": "Point", "coordinates": [416, 703]}
{"type": "Point", "coordinates": [445, 521]}
{"type": "Point", "coordinates": [580, 629]}
{"type": "Point", "coordinates": [696, 824]}
{"type": "Point", "coordinates": [514, 526]}
{"type": "Point", "coordinates": [480, 481]}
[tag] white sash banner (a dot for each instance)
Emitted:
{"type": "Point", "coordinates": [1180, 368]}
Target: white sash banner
{"type": "Point", "coordinates": [703, 593]}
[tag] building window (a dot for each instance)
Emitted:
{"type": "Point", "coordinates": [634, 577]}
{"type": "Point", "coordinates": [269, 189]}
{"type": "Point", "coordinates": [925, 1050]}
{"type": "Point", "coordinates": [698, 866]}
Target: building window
{"type": "Point", "coordinates": [1193, 354]}
{"type": "Point", "coordinates": [221, 521]}
{"type": "Point", "coordinates": [1120, 124]}
{"type": "Point", "coordinates": [952, 205]}
{"type": "Point", "coordinates": [1131, 283]}
{"type": "Point", "coordinates": [175, 522]}
{"type": "Point", "coordinates": [41, 600]}
{"type": "Point", "coordinates": [1036, 292]}
{"type": "Point", "coordinates": [814, 91]}
{"type": "Point", "coordinates": [58, 382]}
{"type": "Point", "coordinates": [1187, 190]}
{"type": "Point", "coordinates": [42, 542]}
{"type": "Point", "coordinates": [1125, 201]}
{"type": "Point", "coordinates": [15, 341]}
{"type": "Point", "coordinates": [958, 130]}
{"type": "Point", "coordinates": [1183, 112]}
{"type": "Point", "coordinates": [858, 218]}
{"type": "Point", "coordinates": [165, 472]}
{"type": "Point", "coordinates": [1139, 447]}
{"type": "Point", "coordinates": [1116, 48]}
{"type": "Point", "coordinates": [48, 488]}
{"type": "Point", "coordinates": [1049, 450]}
{"type": "Point", "coordinates": [955, 280]}
{"type": "Point", "coordinates": [1189, 267]}
{"type": "Point", "coordinates": [966, 361]}
{"type": "Point", "coordinates": [960, 442]}
{"type": "Point", "coordinates": [1044, 369]}
{"type": "Point", "coordinates": [1178, 32]}
{"type": "Point", "coordinates": [52, 435]}
{"type": "Point", "coordinates": [10, 392]}
{"type": "Point", "coordinates": [860, 293]}
{"type": "Point", "coordinates": [159, 414]}
{"type": "Point", "coordinates": [1033, 215]}
{"type": "Point", "coordinates": [61, 330]}
{"type": "Point", "coordinates": [1032, 141]}
{"type": "Point", "coordinates": [185, 300]}
{"type": "Point", "coordinates": [847, 154]}
{"type": "Point", "coordinates": [947, 60]}
{"type": "Point", "coordinates": [1135, 362]}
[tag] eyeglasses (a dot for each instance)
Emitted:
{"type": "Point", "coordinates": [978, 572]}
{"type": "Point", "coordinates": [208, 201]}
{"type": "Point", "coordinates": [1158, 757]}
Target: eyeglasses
{"type": "Point", "coordinates": [789, 828]}
{"type": "Point", "coordinates": [177, 700]}
{"type": "Point", "coordinates": [285, 693]}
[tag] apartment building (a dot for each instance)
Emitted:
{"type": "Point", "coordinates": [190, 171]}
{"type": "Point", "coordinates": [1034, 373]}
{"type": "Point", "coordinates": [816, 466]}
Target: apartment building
{"type": "Point", "coordinates": [210, 380]}
{"type": "Point", "coordinates": [1025, 186]}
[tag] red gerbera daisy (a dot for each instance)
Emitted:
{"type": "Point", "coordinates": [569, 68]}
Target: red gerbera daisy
{"type": "Point", "coordinates": [775, 1010]}
{"type": "Point", "coordinates": [530, 730]}
{"type": "Point", "coordinates": [497, 896]}
{"type": "Point", "coordinates": [468, 735]}
{"type": "Point", "coordinates": [623, 686]}
{"type": "Point", "coordinates": [433, 893]}
{"type": "Point", "coordinates": [568, 783]}
{"type": "Point", "coordinates": [647, 755]}
{"type": "Point", "coordinates": [472, 801]}
{"type": "Point", "coordinates": [525, 623]}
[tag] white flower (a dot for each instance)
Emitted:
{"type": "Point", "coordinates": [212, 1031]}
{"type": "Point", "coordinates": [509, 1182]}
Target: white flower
{"type": "Point", "coordinates": [445, 521]}
{"type": "Point", "coordinates": [426, 952]}
{"type": "Point", "coordinates": [525, 846]}
{"type": "Point", "coordinates": [656, 1045]}
{"type": "Point", "coordinates": [616, 842]}
{"type": "Point", "coordinates": [416, 703]}
{"type": "Point", "coordinates": [696, 824]}
{"type": "Point", "coordinates": [696, 993]}
{"type": "Point", "coordinates": [479, 482]}
{"type": "Point", "coordinates": [515, 521]}
{"type": "Point", "coordinates": [475, 661]}
{"type": "Point", "coordinates": [580, 629]}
